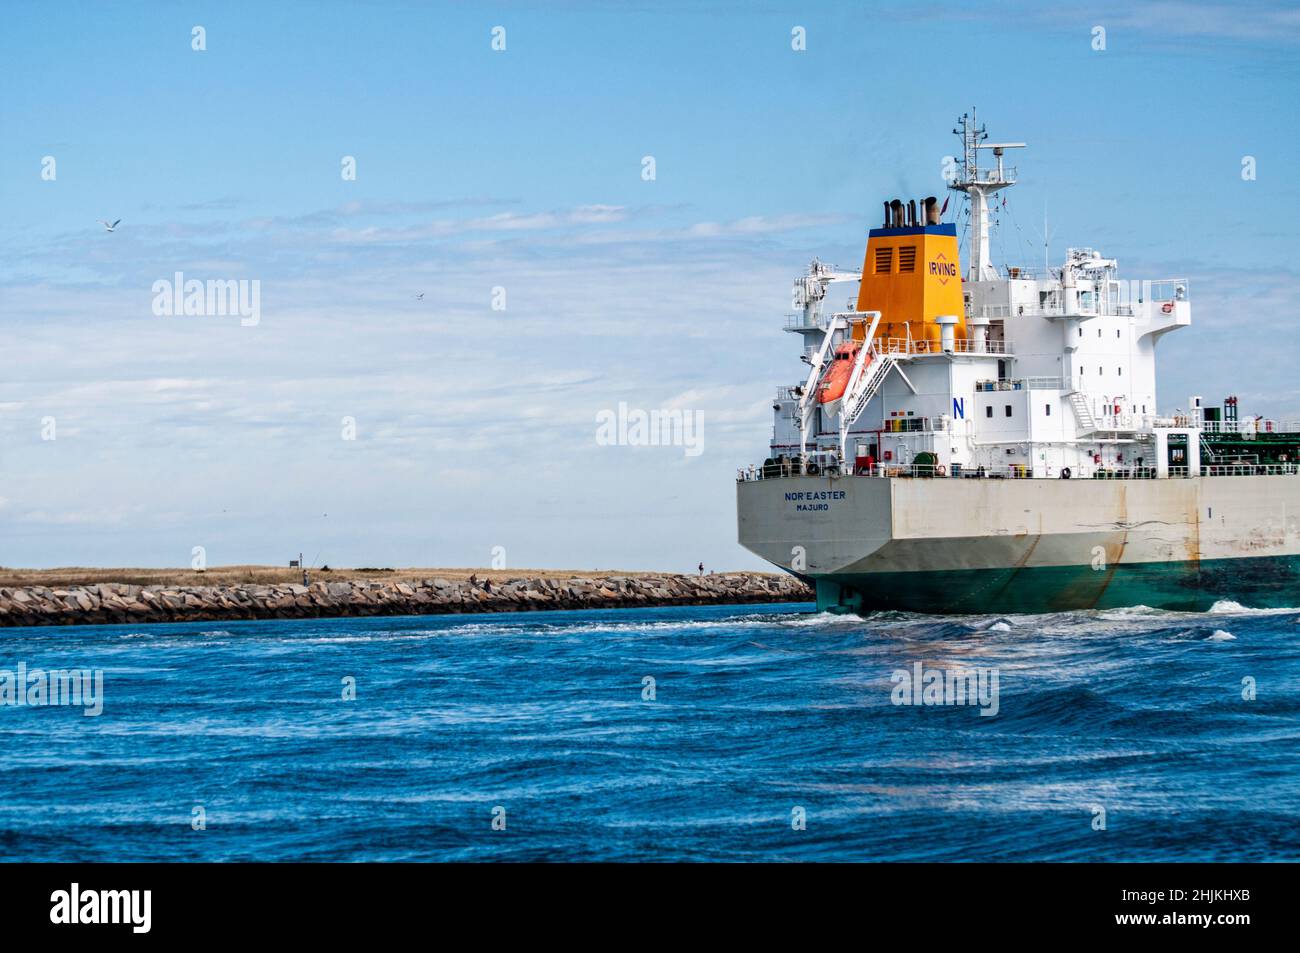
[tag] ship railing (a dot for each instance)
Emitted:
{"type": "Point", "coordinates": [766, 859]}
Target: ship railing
{"type": "Point", "coordinates": [1007, 174]}
{"type": "Point", "coordinates": [906, 425]}
{"type": "Point", "coordinates": [1125, 423]}
{"type": "Point", "coordinates": [926, 471]}
{"type": "Point", "coordinates": [1128, 473]}
{"type": "Point", "coordinates": [797, 322]}
{"type": "Point", "coordinates": [792, 468]}
{"type": "Point", "coordinates": [1249, 428]}
{"type": "Point", "coordinates": [1084, 310]}
{"type": "Point", "coordinates": [964, 346]}
{"type": "Point", "coordinates": [961, 346]}
{"type": "Point", "coordinates": [1020, 383]}
{"type": "Point", "coordinates": [785, 467]}
{"type": "Point", "coordinates": [1022, 471]}
{"type": "Point", "coordinates": [1007, 311]}
{"type": "Point", "coordinates": [1166, 289]}
{"type": "Point", "coordinates": [1043, 383]}
{"type": "Point", "coordinates": [1249, 469]}
{"type": "Point", "coordinates": [1015, 471]}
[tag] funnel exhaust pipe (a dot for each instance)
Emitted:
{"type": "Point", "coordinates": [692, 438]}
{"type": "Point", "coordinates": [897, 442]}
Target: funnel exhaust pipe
{"type": "Point", "coordinates": [947, 332]}
{"type": "Point", "coordinates": [931, 210]}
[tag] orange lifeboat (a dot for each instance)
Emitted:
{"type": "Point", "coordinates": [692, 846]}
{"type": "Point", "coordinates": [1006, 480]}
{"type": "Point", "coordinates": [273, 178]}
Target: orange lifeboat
{"type": "Point", "coordinates": [835, 379]}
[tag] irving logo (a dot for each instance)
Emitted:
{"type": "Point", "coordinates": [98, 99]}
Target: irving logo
{"type": "Point", "coordinates": [943, 269]}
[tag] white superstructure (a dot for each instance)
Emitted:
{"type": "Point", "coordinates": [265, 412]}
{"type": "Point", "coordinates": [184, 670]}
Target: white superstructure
{"type": "Point", "coordinates": [1056, 371]}
{"type": "Point", "coordinates": [994, 443]}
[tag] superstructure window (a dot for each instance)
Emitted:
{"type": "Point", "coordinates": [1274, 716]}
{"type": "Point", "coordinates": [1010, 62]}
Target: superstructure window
{"type": "Point", "coordinates": [1008, 410]}
{"type": "Point", "coordinates": [1048, 409]}
{"type": "Point", "coordinates": [1120, 371]}
{"type": "Point", "coordinates": [884, 260]}
{"type": "Point", "coordinates": [988, 411]}
{"type": "Point", "coordinates": [906, 259]}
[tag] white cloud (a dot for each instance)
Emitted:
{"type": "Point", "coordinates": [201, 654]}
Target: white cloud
{"type": "Point", "coordinates": [764, 224]}
{"type": "Point", "coordinates": [474, 427]}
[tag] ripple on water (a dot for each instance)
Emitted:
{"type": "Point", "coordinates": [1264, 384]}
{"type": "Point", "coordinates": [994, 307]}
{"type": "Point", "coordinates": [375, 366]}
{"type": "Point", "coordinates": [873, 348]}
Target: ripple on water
{"type": "Point", "coordinates": [686, 732]}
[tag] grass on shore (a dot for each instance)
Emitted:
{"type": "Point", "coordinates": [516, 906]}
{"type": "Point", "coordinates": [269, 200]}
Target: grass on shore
{"type": "Point", "coordinates": [267, 575]}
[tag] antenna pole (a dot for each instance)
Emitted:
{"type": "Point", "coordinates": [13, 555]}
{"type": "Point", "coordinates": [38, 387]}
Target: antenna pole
{"type": "Point", "coordinates": [978, 188]}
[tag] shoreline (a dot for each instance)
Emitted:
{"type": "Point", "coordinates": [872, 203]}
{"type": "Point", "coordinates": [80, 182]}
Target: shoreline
{"type": "Point", "coordinates": [116, 603]}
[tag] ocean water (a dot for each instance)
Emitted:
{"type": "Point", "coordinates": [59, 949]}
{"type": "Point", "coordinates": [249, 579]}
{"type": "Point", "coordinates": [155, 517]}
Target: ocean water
{"type": "Point", "coordinates": [772, 734]}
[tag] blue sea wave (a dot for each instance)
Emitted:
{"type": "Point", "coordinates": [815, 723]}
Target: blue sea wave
{"type": "Point", "coordinates": [771, 733]}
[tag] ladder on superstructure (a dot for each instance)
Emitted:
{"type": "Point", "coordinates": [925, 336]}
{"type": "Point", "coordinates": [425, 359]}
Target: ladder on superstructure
{"type": "Point", "coordinates": [1206, 450]}
{"type": "Point", "coordinates": [861, 387]}
{"type": "Point", "coordinates": [1082, 412]}
{"type": "Point", "coordinates": [857, 399]}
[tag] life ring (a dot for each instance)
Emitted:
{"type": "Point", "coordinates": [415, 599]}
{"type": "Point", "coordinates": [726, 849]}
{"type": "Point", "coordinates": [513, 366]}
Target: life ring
{"type": "Point", "coordinates": [1167, 307]}
{"type": "Point", "coordinates": [1065, 473]}
{"type": "Point", "coordinates": [812, 469]}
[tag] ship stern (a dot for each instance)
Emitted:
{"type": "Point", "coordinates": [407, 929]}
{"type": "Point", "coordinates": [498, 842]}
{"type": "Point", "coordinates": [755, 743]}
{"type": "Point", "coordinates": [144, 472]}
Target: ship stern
{"type": "Point", "coordinates": [815, 528]}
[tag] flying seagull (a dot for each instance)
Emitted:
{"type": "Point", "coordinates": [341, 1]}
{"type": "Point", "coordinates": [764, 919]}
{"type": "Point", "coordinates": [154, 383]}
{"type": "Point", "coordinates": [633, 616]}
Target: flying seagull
{"type": "Point", "coordinates": [420, 296]}
{"type": "Point", "coordinates": [108, 227]}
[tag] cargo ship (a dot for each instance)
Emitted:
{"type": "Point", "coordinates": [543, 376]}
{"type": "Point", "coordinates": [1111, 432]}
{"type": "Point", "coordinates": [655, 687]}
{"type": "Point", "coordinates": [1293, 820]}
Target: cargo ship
{"type": "Point", "coordinates": [992, 442]}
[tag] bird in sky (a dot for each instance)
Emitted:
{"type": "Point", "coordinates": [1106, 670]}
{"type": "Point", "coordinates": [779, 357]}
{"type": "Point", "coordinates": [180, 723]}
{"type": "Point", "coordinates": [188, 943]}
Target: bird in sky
{"type": "Point", "coordinates": [420, 296]}
{"type": "Point", "coordinates": [107, 226]}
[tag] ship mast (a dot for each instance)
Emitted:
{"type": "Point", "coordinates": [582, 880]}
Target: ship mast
{"type": "Point", "coordinates": [978, 187]}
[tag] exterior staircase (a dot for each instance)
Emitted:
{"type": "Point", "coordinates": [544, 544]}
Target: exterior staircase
{"type": "Point", "coordinates": [868, 386]}
{"type": "Point", "coordinates": [1207, 453]}
{"type": "Point", "coordinates": [1083, 413]}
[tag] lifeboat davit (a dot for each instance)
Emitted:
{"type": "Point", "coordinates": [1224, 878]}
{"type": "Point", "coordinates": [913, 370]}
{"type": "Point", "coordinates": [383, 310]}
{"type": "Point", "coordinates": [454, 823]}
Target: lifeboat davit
{"type": "Point", "coordinates": [835, 379]}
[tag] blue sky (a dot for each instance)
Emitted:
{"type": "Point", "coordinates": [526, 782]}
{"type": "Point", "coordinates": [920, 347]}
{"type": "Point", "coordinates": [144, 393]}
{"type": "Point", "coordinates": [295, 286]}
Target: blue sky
{"type": "Point", "coordinates": [522, 169]}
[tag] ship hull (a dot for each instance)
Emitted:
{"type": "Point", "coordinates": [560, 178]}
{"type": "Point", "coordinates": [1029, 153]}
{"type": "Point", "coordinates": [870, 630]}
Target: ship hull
{"type": "Point", "coordinates": [979, 546]}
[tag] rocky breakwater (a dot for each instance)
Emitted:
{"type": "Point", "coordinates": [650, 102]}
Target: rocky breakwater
{"type": "Point", "coordinates": [120, 603]}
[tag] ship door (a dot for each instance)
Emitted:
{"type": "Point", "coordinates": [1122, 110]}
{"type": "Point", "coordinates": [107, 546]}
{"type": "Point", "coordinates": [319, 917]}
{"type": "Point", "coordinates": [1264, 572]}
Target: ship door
{"type": "Point", "coordinates": [1177, 450]}
{"type": "Point", "coordinates": [1002, 370]}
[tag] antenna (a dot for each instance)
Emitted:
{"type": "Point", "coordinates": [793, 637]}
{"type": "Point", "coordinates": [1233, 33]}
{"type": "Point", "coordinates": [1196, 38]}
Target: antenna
{"type": "Point", "coordinates": [1046, 237]}
{"type": "Point", "coordinates": [1047, 242]}
{"type": "Point", "coordinates": [978, 187]}
{"type": "Point", "coordinates": [998, 149]}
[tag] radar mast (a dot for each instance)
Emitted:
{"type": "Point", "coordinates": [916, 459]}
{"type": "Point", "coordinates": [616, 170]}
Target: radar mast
{"type": "Point", "coordinates": [978, 186]}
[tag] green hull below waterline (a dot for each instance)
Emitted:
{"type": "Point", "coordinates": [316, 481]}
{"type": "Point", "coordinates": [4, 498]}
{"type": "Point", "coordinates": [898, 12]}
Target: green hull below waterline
{"type": "Point", "coordinates": [1257, 582]}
